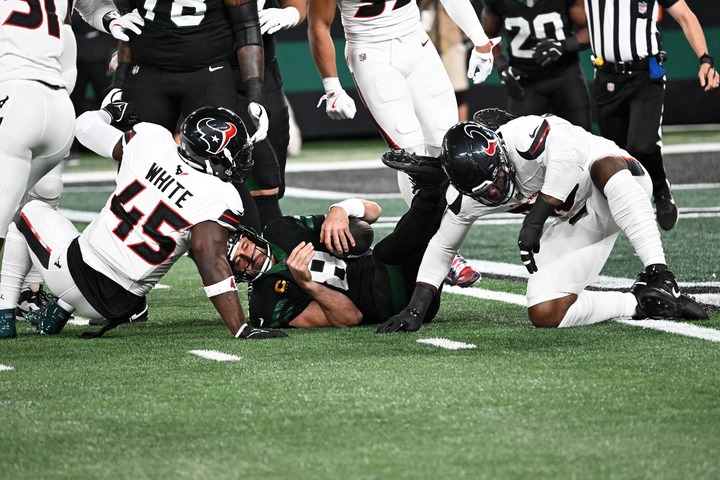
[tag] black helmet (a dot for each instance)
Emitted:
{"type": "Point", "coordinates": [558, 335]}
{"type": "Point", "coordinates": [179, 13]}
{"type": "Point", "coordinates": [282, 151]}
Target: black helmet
{"type": "Point", "coordinates": [475, 161]}
{"type": "Point", "coordinates": [214, 141]}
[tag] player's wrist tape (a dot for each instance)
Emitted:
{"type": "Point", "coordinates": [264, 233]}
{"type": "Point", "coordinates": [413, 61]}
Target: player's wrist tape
{"type": "Point", "coordinates": [707, 58]}
{"type": "Point", "coordinates": [331, 84]}
{"type": "Point", "coordinates": [353, 206]}
{"type": "Point", "coordinates": [223, 286]}
{"type": "Point", "coordinates": [108, 18]}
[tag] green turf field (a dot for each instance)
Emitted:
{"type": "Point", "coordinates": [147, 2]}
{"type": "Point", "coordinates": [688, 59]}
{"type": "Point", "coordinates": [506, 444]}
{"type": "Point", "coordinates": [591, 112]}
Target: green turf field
{"type": "Point", "coordinates": [610, 401]}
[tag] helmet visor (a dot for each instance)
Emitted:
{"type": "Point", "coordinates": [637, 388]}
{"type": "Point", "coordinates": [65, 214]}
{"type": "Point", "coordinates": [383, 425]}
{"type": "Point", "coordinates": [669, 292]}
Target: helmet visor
{"type": "Point", "coordinates": [497, 191]}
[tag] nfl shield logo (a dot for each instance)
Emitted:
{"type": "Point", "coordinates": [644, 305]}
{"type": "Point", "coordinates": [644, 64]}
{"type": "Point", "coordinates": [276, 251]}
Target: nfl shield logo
{"type": "Point", "coordinates": [642, 8]}
{"type": "Point", "coordinates": [610, 87]}
{"type": "Point", "coordinates": [363, 57]}
{"type": "Point", "coordinates": [530, 3]}
{"type": "Point", "coordinates": [135, 69]}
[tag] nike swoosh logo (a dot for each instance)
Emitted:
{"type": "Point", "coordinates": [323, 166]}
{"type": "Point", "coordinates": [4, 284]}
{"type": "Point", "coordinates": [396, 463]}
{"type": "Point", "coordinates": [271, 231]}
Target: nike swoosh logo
{"type": "Point", "coordinates": [212, 69]}
{"type": "Point", "coordinates": [676, 293]}
{"type": "Point", "coordinates": [425, 42]}
{"type": "Point", "coordinates": [334, 102]}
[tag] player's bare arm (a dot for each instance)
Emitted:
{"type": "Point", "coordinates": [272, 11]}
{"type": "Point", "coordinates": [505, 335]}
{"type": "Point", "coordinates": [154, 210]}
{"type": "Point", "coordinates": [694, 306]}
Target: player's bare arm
{"type": "Point", "coordinates": [579, 19]}
{"type": "Point", "coordinates": [320, 15]}
{"type": "Point", "coordinates": [335, 231]}
{"type": "Point", "coordinates": [329, 308]}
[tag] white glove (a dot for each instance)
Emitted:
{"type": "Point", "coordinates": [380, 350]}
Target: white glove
{"type": "Point", "coordinates": [482, 62]}
{"type": "Point", "coordinates": [129, 21]}
{"type": "Point", "coordinates": [114, 95]}
{"type": "Point", "coordinates": [275, 19]}
{"type": "Point", "coordinates": [113, 64]}
{"type": "Point", "coordinates": [260, 119]}
{"type": "Point", "coordinates": [339, 104]}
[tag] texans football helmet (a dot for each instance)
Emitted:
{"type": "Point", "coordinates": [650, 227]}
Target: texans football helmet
{"type": "Point", "coordinates": [215, 141]}
{"type": "Point", "coordinates": [475, 160]}
{"type": "Point", "coordinates": [256, 258]}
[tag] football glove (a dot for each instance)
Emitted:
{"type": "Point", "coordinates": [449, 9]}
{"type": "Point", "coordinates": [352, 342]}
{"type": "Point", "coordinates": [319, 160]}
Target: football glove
{"type": "Point", "coordinates": [339, 106]}
{"type": "Point", "coordinates": [248, 333]}
{"type": "Point", "coordinates": [511, 79]}
{"type": "Point", "coordinates": [130, 21]}
{"type": "Point", "coordinates": [119, 114]}
{"type": "Point", "coordinates": [548, 51]}
{"type": "Point", "coordinates": [260, 118]}
{"type": "Point", "coordinates": [114, 95]}
{"type": "Point", "coordinates": [275, 19]}
{"type": "Point", "coordinates": [529, 244]}
{"type": "Point", "coordinates": [480, 64]}
{"type": "Point", "coordinates": [407, 321]}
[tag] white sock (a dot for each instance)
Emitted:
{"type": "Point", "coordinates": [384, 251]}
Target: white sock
{"type": "Point", "coordinates": [631, 209]}
{"type": "Point", "coordinates": [15, 266]}
{"type": "Point", "coordinates": [595, 307]}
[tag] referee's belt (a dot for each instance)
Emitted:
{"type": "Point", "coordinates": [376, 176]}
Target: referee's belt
{"type": "Point", "coordinates": [621, 67]}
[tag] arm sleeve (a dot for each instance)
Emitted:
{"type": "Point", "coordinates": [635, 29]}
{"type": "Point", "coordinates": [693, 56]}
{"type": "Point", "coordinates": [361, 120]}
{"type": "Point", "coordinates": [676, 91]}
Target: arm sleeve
{"type": "Point", "coordinates": [464, 15]}
{"type": "Point", "coordinates": [94, 131]}
{"type": "Point", "coordinates": [93, 11]}
{"type": "Point", "coordinates": [68, 57]}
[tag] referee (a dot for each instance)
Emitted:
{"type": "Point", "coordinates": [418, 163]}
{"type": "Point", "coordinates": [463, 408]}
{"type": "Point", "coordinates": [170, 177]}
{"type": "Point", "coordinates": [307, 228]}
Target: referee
{"type": "Point", "coordinates": [630, 81]}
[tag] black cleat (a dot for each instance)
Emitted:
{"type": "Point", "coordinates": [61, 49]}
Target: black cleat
{"type": "Point", "coordinates": [657, 294]}
{"type": "Point", "coordinates": [50, 319]}
{"type": "Point", "coordinates": [665, 209]}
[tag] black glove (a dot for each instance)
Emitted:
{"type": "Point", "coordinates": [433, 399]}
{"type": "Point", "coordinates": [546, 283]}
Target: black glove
{"type": "Point", "coordinates": [511, 79]}
{"type": "Point", "coordinates": [531, 231]}
{"type": "Point", "coordinates": [410, 319]}
{"type": "Point", "coordinates": [120, 115]}
{"type": "Point", "coordinates": [529, 244]}
{"type": "Point", "coordinates": [249, 333]}
{"type": "Point", "coordinates": [548, 51]}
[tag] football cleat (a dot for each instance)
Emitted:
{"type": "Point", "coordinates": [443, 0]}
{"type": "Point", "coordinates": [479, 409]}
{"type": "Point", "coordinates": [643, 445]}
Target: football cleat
{"type": "Point", "coordinates": [30, 301]}
{"type": "Point", "coordinates": [665, 209]}
{"type": "Point", "coordinates": [657, 294]}
{"type": "Point", "coordinates": [48, 320]}
{"type": "Point", "coordinates": [461, 274]}
{"type": "Point", "coordinates": [7, 323]}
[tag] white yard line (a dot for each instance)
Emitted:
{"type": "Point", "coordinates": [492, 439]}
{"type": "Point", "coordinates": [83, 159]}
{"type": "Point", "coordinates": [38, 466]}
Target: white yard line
{"type": "Point", "coordinates": [445, 343]}
{"type": "Point", "coordinates": [676, 327]}
{"type": "Point", "coordinates": [6, 368]}
{"type": "Point", "coordinates": [215, 355]}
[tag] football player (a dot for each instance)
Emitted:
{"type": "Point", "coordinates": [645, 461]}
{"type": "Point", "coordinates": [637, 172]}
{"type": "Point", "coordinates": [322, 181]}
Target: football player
{"type": "Point", "coordinates": [399, 76]}
{"type": "Point", "coordinates": [168, 198]}
{"type": "Point", "coordinates": [541, 71]}
{"type": "Point", "coordinates": [546, 167]}
{"type": "Point", "coordinates": [302, 275]}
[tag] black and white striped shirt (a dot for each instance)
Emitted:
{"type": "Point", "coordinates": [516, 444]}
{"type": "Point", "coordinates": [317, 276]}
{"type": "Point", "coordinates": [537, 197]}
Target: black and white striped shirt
{"type": "Point", "coordinates": [624, 30]}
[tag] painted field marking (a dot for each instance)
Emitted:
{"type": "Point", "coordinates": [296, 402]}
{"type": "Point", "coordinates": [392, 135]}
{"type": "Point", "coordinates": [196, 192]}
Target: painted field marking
{"type": "Point", "coordinates": [6, 368]}
{"type": "Point", "coordinates": [445, 343]}
{"type": "Point", "coordinates": [215, 355]}
{"type": "Point", "coordinates": [668, 326]}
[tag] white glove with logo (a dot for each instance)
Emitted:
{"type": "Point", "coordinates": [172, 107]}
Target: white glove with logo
{"type": "Point", "coordinates": [275, 19]}
{"type": "Point", "coordinates": [129, 21]}
{"type": "Point", "coordinates": [482, 62]}
{"type": "Point", "coordinates": [114, 95]}
{"type": "Point", "coordinates": [340, 105]}
{"type": "Point", "coordinates": [260, 119]}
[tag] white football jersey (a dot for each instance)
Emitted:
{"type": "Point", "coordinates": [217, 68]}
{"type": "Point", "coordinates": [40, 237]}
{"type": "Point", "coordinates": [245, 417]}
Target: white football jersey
{"type": "Point", "coordinates": [30, 40]}
{"type": "Point", "coordinates": [378, 21]}
{"type": "Point", "coordinates": [145, 225]}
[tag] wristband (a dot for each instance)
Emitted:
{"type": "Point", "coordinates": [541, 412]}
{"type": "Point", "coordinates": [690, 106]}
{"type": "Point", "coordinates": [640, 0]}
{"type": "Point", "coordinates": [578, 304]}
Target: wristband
{"type": "Point", "coordinates": [223, 286]}
{"type": "Point", "coordinates": [707, 58]}
{"type": "Point", "coordinates": [331, 84]}
{"type": "Point", "coordinates": [353, 206]}
{"type": "Point", "coordinates": [108, 18]}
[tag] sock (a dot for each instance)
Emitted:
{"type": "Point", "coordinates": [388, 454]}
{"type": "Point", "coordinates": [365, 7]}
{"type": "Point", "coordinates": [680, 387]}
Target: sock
{"type": "Point", "coordinates": [632, 211]}
{"type": "Point", "coordinates": [15, 266]}
{"type": "Point", "coordinates": [595, 307]}
{"type": "Point", "coordinates": [268, 208]}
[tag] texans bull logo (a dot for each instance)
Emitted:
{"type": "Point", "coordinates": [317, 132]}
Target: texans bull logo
{"type": "Point", "coordinates": [488, 145]}
{"type": "Point", "coordinates": [222, 133]}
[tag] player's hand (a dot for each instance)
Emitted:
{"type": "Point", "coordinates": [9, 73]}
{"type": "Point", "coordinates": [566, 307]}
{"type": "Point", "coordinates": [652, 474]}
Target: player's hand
{"type": "Point", "coordinates": [511, 79]}
{"type": "Point", "coordinates": [548, 51]}
{"type": "Point", "coordinates": [335, 231]}
{"type": "Point", "coordinates": [114, 95]}
{"type": "Point", "coordinates": [339, 106]}
{"type": "Point", "coordinates": [298, 263]}
{"type": "Point", "coordinates": [708, 75]}
{"type": "Point", "coordinates": [480, 64]}
{"type": "Point", "coordinates": [130, 21]}
{"type": "Point", "coordinates": [275, 19]}
{"type": "Point", "coordinates": [246, 332]}
{"type": "Point", "coordinates": [408, 321]}
{"type": "Point", "coordinates": [260, 118]}
{"type": "Point", "coordinates": [118, 112]}
{"type": "Point", "coordinates": [529, 244]}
